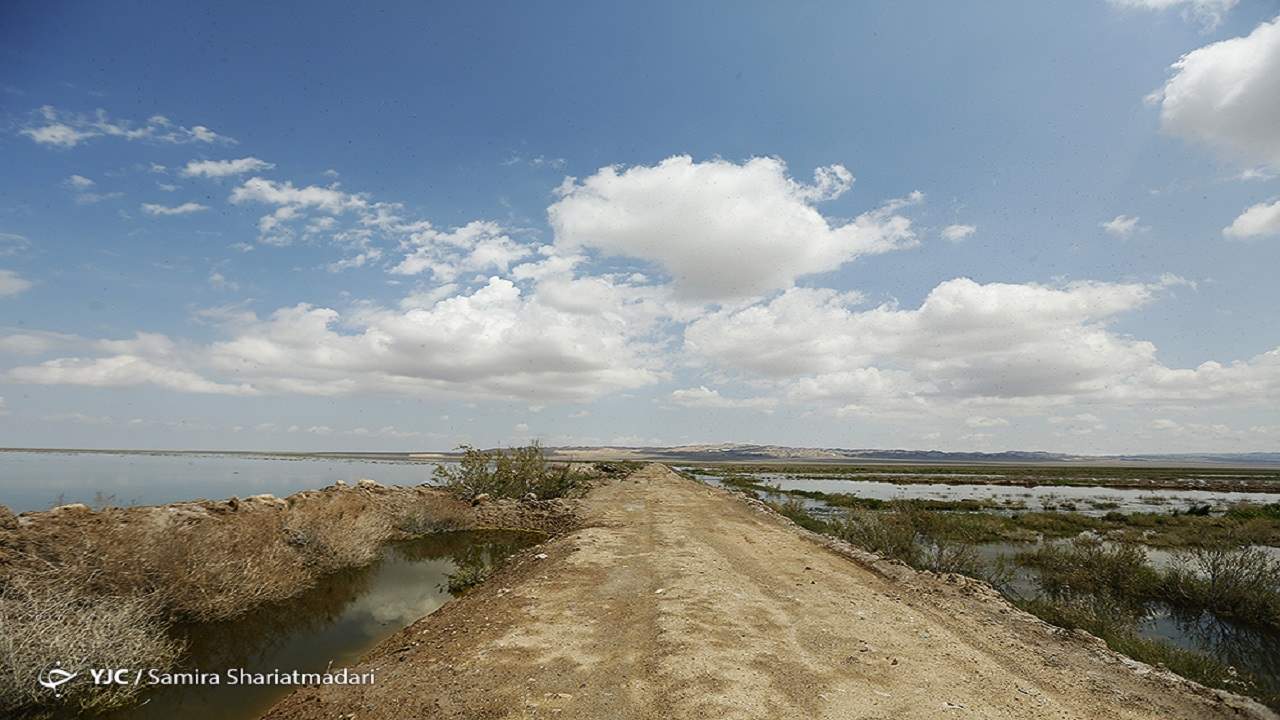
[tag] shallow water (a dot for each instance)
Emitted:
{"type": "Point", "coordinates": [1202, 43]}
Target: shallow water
{"type": "Point", "coordinates": [40, 480]}
{"type": "Point", "coordinates": [330, 626]}
{"type": "Point", "coordinates": [1249, 648]}
{"type": "Point", "coordinates": [1243, 646]}
{"type": "Point", "coordinates": [1240, 646]}
{"type": "Point", "coordinates": [1086, 500]}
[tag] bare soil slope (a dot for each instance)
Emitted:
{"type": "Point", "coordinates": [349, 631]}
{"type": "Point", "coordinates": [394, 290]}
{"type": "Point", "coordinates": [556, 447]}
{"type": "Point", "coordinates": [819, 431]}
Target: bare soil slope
{"type": "Point", "coordinates": [681, 601]}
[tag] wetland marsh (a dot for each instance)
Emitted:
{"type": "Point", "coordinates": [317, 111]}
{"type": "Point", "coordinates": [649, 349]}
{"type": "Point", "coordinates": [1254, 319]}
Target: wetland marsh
{"type": "Point", "coordinates": [1173, 566]}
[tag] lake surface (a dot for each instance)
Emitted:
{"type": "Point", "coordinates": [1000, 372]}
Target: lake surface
{"type": "Point", "coordinates": [1087, 500]}
{"type": "Point", "coordinates": [40, 480]}
{"type": "Point", "coordinates": [330, 626]}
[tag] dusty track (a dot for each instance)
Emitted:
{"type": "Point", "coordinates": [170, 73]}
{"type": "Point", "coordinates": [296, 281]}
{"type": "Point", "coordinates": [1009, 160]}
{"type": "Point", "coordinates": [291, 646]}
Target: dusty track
{"type": "Point", "coordinates": [680, 601]}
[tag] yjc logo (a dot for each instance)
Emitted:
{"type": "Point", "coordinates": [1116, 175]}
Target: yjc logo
{"type": "Point", "coordinates": [55, 677]}
{"type": "Point", "coordinates": [108, 676]}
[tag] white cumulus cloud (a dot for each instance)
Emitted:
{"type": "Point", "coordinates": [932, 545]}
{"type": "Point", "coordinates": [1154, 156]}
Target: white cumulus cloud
{"type": "Point", "coordinates": [1207, 12]}
{"type": "Point", "coordinates": [967, 341]}
{"type": "Point", "coordinates": [1261, 220]}
{"type": "Point", "coordinates": [184, 209]}
{"type": "Point", "coordinates": [1227, 95]}
{"type": "Point", "coordinates": [34, 342]}
{"type": "Point", "coordinates": [721, 229]}
{"type": "Point", "coordinates": [480, 245]}
{"type": "Point", "coordinates": [11, 283]}
{"type": "Point", "coordinates": [121, 370]}
{"type": "Point", "coordinates": [1121, 226]}
{"type": "Point", "coordinates": [13, 244]}
{"type": "Point", "coordinates": [704, 397]}
{"type": "Point", "coordinates": [711, 254]}
{"type": "Point", "coordinates": [65, 130]}
{"type": "Point", "coordinates": [293, 204]}
{"type": "Point", "coordinates": [496, 341]}
{"type": "Point", "coordinates": [270, 192]}
{"type": "Point", "coordinates": [956, 233]}
{"type": "Point", "coordinates": [218, 281]}
{"type": "Point", "coordinates": [224, 168]}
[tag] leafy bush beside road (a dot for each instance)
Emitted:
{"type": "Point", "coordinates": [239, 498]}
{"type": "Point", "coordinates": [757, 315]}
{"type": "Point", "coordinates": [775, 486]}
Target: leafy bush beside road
{"type": "Point", "coordinates": [515, 473]}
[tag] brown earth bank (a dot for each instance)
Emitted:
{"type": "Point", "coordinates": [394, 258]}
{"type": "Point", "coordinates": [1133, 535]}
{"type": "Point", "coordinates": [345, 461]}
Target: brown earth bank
{"type": "Point", "coordinates": [677, 600]}
{"type": "Point", "coordinates": [368, 512]}
{"type": "Point", "coordinates": [102, 588]}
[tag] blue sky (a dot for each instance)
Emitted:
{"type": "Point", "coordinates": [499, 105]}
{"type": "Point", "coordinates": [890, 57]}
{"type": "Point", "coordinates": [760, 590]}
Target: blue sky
{"type": "Point", "coordinates": [319, 227]}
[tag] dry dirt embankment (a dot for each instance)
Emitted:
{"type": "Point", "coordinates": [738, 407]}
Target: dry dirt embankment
{"type": "Point", "coordinates": [101, 589]}
{"type": "Point", "coordinates": [677, 600]}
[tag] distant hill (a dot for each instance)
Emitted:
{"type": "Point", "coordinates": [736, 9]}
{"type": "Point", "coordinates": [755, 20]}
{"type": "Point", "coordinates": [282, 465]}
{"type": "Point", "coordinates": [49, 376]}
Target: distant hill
{"type": "Point", "coordinates": [734, 452]}
{"type": "Point", "coordinates": [1253, 458]}
{"type": "Point", "coordinates": [746, 453]}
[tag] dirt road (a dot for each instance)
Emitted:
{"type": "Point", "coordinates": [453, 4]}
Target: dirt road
{"type": "Point", "coordinates": [680, 601]}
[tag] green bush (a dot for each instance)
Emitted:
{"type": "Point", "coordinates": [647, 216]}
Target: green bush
{"type": "Point", "coordinates": [513, 473]}
{"type": "Point", "coordinates": [890, 535]}
{"type": "Point", "coordinates": [793, 509]}
{"type": "Point", "coordinates": [467, 576]}
{"type": "Point", "coordinates": [1116, 572]}
{"type": "Point", "coordinates": [1242, 582]}
{"type": "Point", "coordinates": [1249, 511]}
{"type": "Point", "coordinates": [619, 468]}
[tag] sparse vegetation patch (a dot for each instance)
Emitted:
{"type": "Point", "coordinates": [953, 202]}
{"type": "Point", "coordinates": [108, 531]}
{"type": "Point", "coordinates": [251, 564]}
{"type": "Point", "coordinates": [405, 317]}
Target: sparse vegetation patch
{"type": "Point", "coordinates": [1087, 572]}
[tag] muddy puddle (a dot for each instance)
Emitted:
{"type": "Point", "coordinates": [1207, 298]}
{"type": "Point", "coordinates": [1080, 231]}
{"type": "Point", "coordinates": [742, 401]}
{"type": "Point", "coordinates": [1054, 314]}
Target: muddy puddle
{"type": "Point", "coordinates": [328, 627]}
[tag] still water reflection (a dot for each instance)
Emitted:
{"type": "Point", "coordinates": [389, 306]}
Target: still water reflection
{"type": "Point", "coordinates": [330, 626]}
{"type": "Point", "coordinates": [1087, 500]}
{"type": "Point", "coordinates": [1235, 644]}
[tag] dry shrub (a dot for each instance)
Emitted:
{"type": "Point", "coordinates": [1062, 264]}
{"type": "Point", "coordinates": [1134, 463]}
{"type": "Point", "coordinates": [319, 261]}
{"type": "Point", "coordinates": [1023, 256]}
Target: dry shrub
{"type": "Point", "coordinates": [947, 556]}
{"type": "Point", "coordinates": [46, 620]}
{"type": "Point", "coordinates": [99, 589]}
{"type": "Point", "coordinates": [343, 530]}
{"type": "Point", "coordinates": [97, 553]}
{"type": "Point", "coordinates": [427, 515]}
{"type": "Point", "coordinates": [221, 567]}
{"type": "Point", "coordinates": [208, 568]}
{"type": "Point", "coordinates": [218, 564]}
